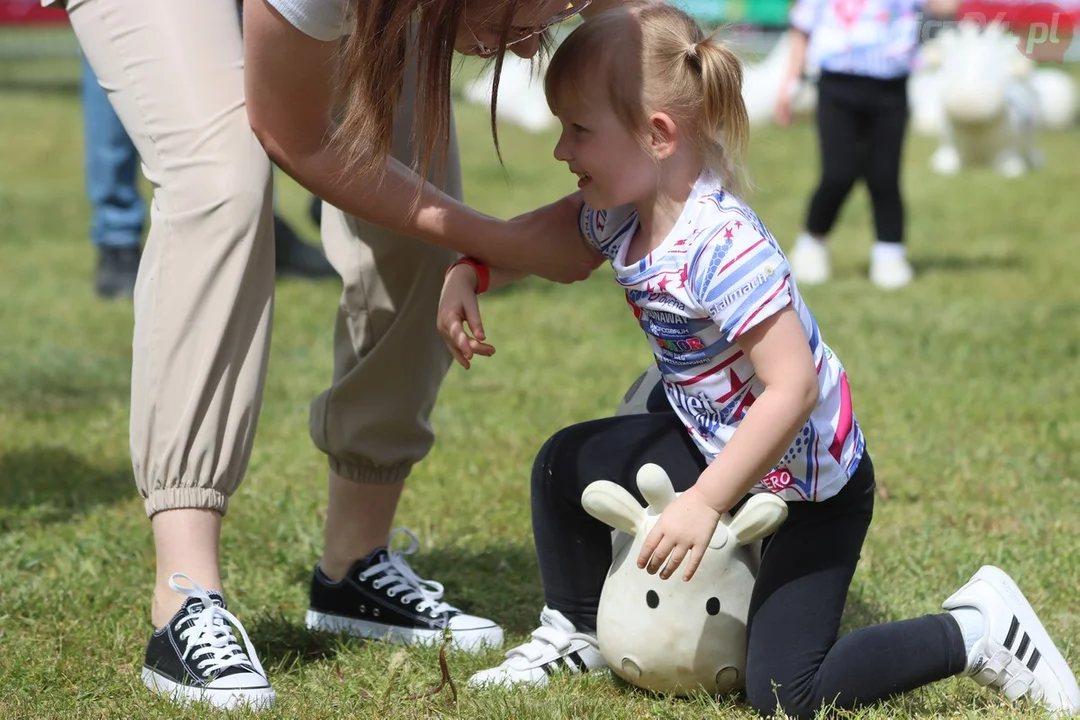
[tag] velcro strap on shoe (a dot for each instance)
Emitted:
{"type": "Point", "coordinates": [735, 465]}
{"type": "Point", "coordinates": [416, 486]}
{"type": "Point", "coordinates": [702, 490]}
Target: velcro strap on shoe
{"type": "Point", "coordinates": [1004, 672]}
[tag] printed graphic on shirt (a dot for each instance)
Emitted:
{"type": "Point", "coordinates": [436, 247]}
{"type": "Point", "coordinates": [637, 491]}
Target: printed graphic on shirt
{"type": "Point", "coordinates": [875, 38]}
{"type": "Point", "coordinates": [718, 274]}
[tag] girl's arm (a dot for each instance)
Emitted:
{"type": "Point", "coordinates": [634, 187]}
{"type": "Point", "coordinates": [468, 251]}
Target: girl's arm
{"type": "Point", "coordinates": [783, 362]}
{"type": "Point", "coordinates": [290, 92]}
{"type": "Point", "coordinates": [942, 8]}
{"type": "Point", "coordinates": [798, 40]}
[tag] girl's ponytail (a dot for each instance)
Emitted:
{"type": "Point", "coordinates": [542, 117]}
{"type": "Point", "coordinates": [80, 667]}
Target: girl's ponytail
{"type": "Point", "coordinates": [723, 110]}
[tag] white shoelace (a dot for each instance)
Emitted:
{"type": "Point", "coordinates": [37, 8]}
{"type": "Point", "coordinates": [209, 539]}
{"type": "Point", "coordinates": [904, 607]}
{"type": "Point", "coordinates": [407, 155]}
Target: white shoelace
{"type": "Point", "coordinates": [208, 634]}
{"type": "Point", "coordinates": [397, 573]}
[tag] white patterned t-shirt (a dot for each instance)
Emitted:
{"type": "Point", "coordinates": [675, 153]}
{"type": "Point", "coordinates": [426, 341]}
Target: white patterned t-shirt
{"type": "Point", "coordinates": [717, 274]}
{"type": "Point", "coordinates": [873, 38]}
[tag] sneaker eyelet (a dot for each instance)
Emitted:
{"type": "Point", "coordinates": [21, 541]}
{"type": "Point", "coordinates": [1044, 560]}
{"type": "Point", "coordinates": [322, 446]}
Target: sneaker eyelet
{"type": "Point", "coordinates": [391, 593]}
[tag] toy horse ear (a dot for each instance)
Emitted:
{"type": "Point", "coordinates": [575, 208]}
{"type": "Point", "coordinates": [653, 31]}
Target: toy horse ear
{"type": "Point", "coordinates": [761, 515]}
{"type": "Point", "coordinates": [655, 487]}
{"type": "Point", "coordinates": [612, 504]}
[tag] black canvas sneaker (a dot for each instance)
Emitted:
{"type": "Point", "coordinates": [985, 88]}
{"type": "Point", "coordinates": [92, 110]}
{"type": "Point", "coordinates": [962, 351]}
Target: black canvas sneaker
{"type": "Point", "coordinates": [196, 657]}
{"type": "Point", "coordinates": [382, 597]}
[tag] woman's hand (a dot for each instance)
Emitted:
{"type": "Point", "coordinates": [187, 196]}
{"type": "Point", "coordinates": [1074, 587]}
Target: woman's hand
{"type": "Point", "coordinates": [686, 526]}
{"type": "Point", "coordinates": [459, 306]}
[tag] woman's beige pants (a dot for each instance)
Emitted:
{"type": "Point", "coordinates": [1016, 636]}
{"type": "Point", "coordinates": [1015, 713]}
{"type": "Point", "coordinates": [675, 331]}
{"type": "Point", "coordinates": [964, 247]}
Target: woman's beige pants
{"type": "Point", "coordinates": [173, 70]}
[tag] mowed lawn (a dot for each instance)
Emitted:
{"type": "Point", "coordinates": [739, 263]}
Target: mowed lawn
{"type": "Point", "coordinates": [966, 384]}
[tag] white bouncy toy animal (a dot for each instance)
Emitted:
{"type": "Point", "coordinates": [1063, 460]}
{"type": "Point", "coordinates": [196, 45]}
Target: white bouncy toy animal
{"type": "Point", "coordinates": [638, 395]}
{"type": "Point", "coordinates": [988, 105]}
{"type": "Point", "coordinates": [672, 636]}
{"type": "Point", "coordinates": [1056, 91]}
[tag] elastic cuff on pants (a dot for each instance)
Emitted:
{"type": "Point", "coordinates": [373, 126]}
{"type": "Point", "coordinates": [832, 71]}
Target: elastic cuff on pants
{"type": "Point", "coordinates": [186, 499]}
{"type": "Point", "coordinates": [375, 474]}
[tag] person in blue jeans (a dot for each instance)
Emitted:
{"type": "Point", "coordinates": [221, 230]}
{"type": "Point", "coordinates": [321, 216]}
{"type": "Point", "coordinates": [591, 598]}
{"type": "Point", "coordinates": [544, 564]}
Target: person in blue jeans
{"type": "Point", "coordinates": [118, 211]}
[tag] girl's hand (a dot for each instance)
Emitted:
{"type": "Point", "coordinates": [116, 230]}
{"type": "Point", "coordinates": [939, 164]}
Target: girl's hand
{"type": "Point", "coordinates": [783, 104]}
{"type": "Point", "coordinates": [457, 306]}
{"type": "Point", "coordinates": [686, 526]}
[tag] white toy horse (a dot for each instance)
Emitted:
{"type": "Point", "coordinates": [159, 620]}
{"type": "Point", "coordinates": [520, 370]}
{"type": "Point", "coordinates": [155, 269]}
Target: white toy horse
{"type": "Point", "coordinates": [989, 107]}
{"type": "Point", "coordinates": [1057, 95]}
{"type": "Point", "coordinates": [672, 636]}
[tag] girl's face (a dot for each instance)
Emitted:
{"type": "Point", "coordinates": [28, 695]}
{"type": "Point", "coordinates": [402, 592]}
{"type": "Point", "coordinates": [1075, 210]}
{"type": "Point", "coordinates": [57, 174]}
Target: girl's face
{"type": "Point", "coordinates": [482, 22]}
{"type": "Point", "coordinates": [612, 165]}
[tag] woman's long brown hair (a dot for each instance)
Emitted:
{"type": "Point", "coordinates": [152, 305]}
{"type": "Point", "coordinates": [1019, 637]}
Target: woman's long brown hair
{"type": "Point", "coordinates": [372, 71]}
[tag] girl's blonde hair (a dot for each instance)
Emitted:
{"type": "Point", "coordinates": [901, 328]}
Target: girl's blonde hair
{"type": "Point", "coordinates": [655, 57]}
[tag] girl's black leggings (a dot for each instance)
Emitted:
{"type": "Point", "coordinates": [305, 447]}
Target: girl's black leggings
{"type": "Point", "coordinates": [861, 123]}
{"type": "Point", "coordinates": [800, 592]}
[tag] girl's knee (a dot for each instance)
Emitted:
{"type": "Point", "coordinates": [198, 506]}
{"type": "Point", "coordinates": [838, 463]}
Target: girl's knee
{"type": "Point", "coordinates": [768, 696]}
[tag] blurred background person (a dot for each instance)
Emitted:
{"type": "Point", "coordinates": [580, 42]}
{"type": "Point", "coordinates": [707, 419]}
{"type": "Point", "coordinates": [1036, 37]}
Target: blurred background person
{"type": "Point", "coordinates": [866, 51]}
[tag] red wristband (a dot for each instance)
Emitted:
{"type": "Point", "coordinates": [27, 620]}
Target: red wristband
{"type": "Point", "coordinates": [483, 274]}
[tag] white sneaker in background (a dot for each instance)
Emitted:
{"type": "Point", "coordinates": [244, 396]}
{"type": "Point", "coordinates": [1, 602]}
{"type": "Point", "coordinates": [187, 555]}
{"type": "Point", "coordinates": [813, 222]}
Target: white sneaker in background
{"type": "Point", "coordinates": [1014, 655]}
{"type": "Point", "coordinates": [809, 260]}
{"type": "Point", "coordinates": [889, 268]}
{"type": "Point", "coordinates": [556, 646]}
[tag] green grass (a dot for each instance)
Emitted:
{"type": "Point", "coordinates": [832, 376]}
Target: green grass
{"type": "Point", "coordinates": [965, 383]}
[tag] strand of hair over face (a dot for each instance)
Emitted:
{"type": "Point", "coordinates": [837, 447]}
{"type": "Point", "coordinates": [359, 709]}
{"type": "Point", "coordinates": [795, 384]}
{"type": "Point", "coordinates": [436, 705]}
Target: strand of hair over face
{"type": "Point", "coordinates": [387, 37]}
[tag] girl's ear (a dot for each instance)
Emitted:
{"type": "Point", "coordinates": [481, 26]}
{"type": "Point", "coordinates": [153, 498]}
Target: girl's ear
{"type": "Point", "coordinates": [663, 135]}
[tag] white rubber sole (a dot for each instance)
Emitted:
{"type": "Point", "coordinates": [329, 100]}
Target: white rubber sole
{"type": "Point", "coordinates": [1029, 621]}
{"type": "Point", "coordinates": [226, 699]}
{"type": "Point", "coordinates": [469, 640]}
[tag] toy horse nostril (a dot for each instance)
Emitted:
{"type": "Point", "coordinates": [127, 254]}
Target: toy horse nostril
{"type": "Point", "coordinates": [631, 668]}
{"type": "Point", "coordinates": [727, 679]}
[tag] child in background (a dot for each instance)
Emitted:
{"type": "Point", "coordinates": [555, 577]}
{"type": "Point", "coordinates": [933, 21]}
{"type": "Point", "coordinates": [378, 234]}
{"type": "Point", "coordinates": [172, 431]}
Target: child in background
{"type": "Point", "coordinates": [654, 127]}
{"type": "Point", "coordinates": [865, 50]}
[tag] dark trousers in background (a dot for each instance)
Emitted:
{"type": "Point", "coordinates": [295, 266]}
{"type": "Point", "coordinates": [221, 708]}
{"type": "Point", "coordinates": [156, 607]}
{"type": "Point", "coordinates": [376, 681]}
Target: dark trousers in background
{"type": "Point", "coordinates": [861, 123]}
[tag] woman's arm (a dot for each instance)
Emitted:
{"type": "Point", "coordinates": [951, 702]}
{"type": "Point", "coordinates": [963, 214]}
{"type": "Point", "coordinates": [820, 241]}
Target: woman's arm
{"type": "Point", "coordinates": [290, 91]}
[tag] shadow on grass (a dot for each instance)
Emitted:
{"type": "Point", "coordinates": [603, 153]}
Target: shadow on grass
{"type": "Point", "coordinates": [967, 263]}
{"type": "Point", "coordinates": [50, 484]}
{"type": "Point", "coordinates": [283, 643]}
{"type": "Point", "coordinates": [501, 583]}
{"type": "Point", "coordinates": [41, 86]}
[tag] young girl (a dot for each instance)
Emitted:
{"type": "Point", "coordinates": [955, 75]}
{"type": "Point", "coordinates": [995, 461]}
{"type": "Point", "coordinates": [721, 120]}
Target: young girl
{"type": "Point", "coordinates": [653, 122]}
{"type": "Point", "coordinates": [865, 50]}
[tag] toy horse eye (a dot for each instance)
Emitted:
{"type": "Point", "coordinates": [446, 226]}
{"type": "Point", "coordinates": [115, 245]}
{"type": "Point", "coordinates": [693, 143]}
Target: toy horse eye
{"type": "Point", "coordinates": [712, 606]}
{"type": "Point", "coordinates": [652, 599]}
